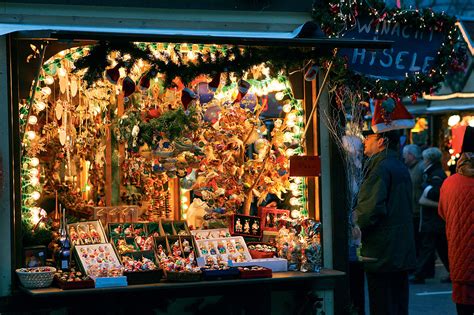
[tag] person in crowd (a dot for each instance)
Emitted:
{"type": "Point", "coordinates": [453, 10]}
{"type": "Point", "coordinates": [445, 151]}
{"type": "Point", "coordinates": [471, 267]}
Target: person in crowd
{"type": "Point", "coordinates": [384, 215]}
{"type": "Point", "coordinates": [456, 207]}
{"type": "Point", "coordinates": [414, 161]}
{"type": "Point", "coordinates": [432, 227]}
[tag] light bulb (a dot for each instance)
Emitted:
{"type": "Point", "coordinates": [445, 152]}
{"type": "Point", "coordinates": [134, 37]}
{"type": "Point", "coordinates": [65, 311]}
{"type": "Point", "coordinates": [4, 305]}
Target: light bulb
{"type": "Point", "coordinates": [279, 96]}
{"type": "Point", "coordinates": [287, 108]}
{"type": "Point", "coordinates": [291, 116]}
{"type": "Point", "coordinates": [288, 137]}
{"type": "Point", "coordinates": [294, 201]}
{"type": "Point", "coordinates": [185, 206]}
{"type": "Point", "coordinates": [290, 152]}
{"type": "Point", "coordinates": [34, 162]}
{"type": "Point", "coordinates": [32, 120]}
{"type": "Point", "coordinates": [40, 106]}
{"type": "Point", "coordinates": [31, 134]}
{"type": "Point", "coordinates": [296, 192]}
{"type": "Point", "coordinates": [295, 214]}
{"type": "Point", "coordinates": [35, 195]}
{"type": "Point", "coordinates": [46, 90]}
{"type": "Point", "coordinates": [34, 172]}
{"type": "Point", "coordinates": [184, 199]}
{"type": "Point", "coordinates": [34, 181]}
{"type": "Point", "coordinates": [293, 186]}
{"type": "Point", "coordinates": [49, 80]}
{"type": "Point", "coordinates": [290, 123]}
{"type": "Point", "coordinates": [471, 122]}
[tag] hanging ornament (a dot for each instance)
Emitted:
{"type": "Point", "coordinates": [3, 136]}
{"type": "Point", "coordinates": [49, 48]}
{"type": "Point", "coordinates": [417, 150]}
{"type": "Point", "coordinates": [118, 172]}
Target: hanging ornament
{"type": "Point", "coordinates": [204, 92]}
{"type": "Point", "coordinates": [311, 74]}
{"type": "Point", "coordinates": [187, 96]}
{"type": "Point", "coordinates": [144, 83]}
{"type": "Point", "coordinates": [113, 74]}
{"type": "Point", "coordinates": [73, 86]}
{"type": "Point", "coordinates": [128, 86]}
{"type": "Point", "coordinates": [243, 88]}
{"type": "Point", "coordinates": [214, 84]}
{"type": "Point", "coordinates": [59, 110]}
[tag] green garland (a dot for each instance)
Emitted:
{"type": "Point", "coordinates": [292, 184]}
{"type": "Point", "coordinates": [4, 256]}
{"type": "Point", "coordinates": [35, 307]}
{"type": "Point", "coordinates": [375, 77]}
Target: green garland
{"type": "Point", "coordinates": [336, 17]}
{"type": "Point", "coordinates": [233, 59]}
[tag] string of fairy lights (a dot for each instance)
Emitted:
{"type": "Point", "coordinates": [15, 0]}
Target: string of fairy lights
{"type": "Point", "coordinates": [58, 66]}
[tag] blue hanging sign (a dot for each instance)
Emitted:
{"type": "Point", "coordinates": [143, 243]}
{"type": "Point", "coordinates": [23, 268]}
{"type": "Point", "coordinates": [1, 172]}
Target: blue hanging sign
{"type": "Point", "coordinates": [414, 50]}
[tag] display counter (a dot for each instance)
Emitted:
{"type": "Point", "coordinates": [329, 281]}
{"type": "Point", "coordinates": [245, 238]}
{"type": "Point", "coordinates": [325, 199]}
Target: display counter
{"type": "Point", "coordinates": [285, 293]}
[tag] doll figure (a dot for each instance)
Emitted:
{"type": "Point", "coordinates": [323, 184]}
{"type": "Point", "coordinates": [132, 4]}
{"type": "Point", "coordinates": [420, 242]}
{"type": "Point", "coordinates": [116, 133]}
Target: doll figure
{"type": "Point", "coordinates": [148, 243]}
{"type": "Point", "coordinates": [269, 221]}
{"type": "Point", "coordinates": [255, 227]}
{"type": "Point", "coordinates": [176, 249]}
{"type": "Point", "coordinates": [95, 236]}
{"type": "Point", "coordinates": [246, 226]}
{"type": "Point", "coordinates": [84, 237]}
{"type": "Point", "coordinates": [74, 236]}
{"type": "Point", "coordinates": [238, 226]}
{"type": "Point", "coordinates": [161, 252]}
{"type": "Point", "coordinates": [128, 231]}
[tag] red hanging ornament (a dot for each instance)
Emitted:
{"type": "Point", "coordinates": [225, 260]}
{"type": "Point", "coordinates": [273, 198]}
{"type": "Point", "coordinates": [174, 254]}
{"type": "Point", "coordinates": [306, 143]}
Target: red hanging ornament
{"type": "Point", "coordinates": [414, 98]}
{"type": "Point", "coordinates": [113, 74]}
{"type": "Point", "coordinates": [128, 86]}
{"type": "Point", "coordinates": [187, 96]}
{"type": "Point", "coordinates": [144, 83]}
{"type": "Point", "coordinates": [243, 87]}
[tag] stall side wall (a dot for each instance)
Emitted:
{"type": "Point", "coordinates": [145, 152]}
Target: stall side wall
{"type": "Point", "coordinates": [5, 175]}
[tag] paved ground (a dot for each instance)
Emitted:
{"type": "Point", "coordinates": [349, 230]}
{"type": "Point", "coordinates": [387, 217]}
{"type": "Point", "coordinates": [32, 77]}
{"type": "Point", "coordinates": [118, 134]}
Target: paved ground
{"type": "Point", "coordinates": [431, 298]}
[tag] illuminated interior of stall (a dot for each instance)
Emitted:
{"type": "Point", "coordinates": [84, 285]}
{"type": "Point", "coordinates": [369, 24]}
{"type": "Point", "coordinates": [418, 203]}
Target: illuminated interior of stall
{"type": "Point", "coordinates": [180, 152]}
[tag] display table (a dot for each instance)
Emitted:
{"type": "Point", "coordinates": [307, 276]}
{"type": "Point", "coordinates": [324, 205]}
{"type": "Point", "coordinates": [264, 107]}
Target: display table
{"type": "Point", "coordinates": [281, 293]}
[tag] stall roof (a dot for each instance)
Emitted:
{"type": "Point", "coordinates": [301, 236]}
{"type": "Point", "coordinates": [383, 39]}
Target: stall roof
{"type": "Point", "coordinates": [306, 35]}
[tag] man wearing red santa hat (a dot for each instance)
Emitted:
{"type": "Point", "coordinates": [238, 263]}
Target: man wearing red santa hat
{"type": "Point", "coordinates": [384, 212]}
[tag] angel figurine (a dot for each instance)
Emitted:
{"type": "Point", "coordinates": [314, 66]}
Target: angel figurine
{"type": "Point", "coordinates": [74, 236]}
{"type": "Point", "coordinates": [247, 226]}
{"type": "Point", "coordinates": [94, 234]}
{"type": "Point", "coordinates": [85, 238]}
{"type": "Point", "coordinates": [255, 227]}
{"type": "Point", "coordinates": [238, 226]}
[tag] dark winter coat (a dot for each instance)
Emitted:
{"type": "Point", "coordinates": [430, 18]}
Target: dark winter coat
{"type": "Point", "coordinates": [384, 214]}
{"type": "Point", "coordinates": [430, 221]}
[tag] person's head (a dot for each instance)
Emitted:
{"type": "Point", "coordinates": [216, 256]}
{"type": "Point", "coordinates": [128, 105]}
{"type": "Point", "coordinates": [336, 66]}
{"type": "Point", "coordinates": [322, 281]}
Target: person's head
{"type": "Point", "coordinates": [431, 156]}
{"type": "Point", "coordinates": [468, 140]}
{"type": "Point", "coordinates": [411, 154]}
{"type": "Point", "coordinates": [377, 142]}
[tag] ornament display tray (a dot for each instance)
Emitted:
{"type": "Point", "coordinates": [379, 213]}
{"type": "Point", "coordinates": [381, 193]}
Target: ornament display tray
{"type": "Point", "coordinates": [254, 274]}
{"type": "Point", "coordinates": [73, 285]}
{"type": "Point", "coordinates": [174, 276]}
{"type": "Point", "coordinates": [228, 243]}
{"type": "Point", "coordinates": [275, 264]}
{"type": "Point", "coordinates": [85, 227]}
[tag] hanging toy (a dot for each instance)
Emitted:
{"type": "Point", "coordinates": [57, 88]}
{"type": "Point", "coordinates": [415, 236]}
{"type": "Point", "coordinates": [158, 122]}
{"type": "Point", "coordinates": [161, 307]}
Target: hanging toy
{"type": "Point", "coordinates": [187, 96]}
{"type": "Point", "coordinates": [144, 82]}
{"type": "Point", "coordinates": [113, 74]}
{"type": "Point", "coordinates": [128, 86]}
{"type": "Point", "coordinates": [243, 87]}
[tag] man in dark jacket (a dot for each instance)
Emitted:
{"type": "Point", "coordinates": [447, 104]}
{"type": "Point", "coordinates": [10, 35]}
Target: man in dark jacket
{"type": "Point", "coordinates": [384, 214]}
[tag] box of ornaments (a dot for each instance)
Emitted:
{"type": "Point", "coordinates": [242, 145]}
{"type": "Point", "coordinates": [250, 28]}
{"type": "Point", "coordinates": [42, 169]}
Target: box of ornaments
{"type": "Point", "coordinates": [141, 267]}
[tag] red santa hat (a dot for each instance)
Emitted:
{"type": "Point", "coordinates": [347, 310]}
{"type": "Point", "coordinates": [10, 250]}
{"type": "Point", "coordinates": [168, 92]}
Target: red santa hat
{"type": "Point", "coordinates": [391, 114]}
